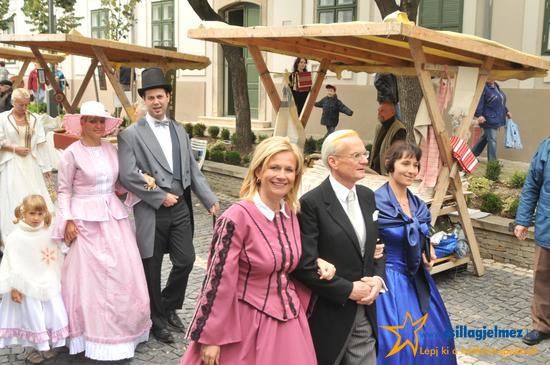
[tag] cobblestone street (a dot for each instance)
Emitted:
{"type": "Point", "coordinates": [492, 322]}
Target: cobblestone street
{"type": "Point", "coordinates": [500, 298]}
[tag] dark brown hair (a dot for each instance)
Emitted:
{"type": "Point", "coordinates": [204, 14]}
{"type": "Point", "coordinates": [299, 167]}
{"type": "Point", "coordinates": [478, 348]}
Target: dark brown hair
{"type": "Point", "coordinates": [297, 61]}
{"type": "Point", "coordinates": [401, 149]}
{"type": "Point", "coordinates": [329, 86]}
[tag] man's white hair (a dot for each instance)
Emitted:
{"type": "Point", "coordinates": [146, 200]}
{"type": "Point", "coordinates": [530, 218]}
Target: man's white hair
{"type": "Point", "coordinates": [332, 143]}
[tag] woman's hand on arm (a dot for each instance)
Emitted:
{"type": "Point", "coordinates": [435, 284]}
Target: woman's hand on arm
{"type": "Point", "coordinates": [16, 296]}
{"type": "Point", "coordinates": [150, 183]}
{"type": "Point", "coordinates": [210, 354]}
{"type": "Point", "coordinates": [429, 264]}
{"type": "Point", "coordinates": [325, 269]}
{"type": "Point", "coordinates": [70, 232]}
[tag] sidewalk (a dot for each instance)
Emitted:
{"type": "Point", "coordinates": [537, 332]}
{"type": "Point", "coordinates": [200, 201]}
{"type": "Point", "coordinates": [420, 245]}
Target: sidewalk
{"type": "Point", "coordinates": [500, 298]}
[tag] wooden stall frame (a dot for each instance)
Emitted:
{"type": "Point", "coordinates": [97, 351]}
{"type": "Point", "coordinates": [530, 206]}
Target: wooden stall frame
{"type": "Point", "coordinates": [428, 53]}
{"type": "Point", "coordinates": [109, 54]}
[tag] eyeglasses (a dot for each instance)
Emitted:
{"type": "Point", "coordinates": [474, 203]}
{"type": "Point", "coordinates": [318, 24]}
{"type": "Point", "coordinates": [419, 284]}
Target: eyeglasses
{"type": "Point", "coordinates": [357, 156]}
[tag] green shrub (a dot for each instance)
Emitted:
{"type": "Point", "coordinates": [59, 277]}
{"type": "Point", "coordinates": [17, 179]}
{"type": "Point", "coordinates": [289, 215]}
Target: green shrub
{"type": "Point", "coordinates": [517, 179]}
{"type": "Point", "coordinates": [233, 158]}
{"type": "Point", "coordinates": [218, 146]}
{"type": "Point", "coordinates": [234, 138]}
{"type": "Point", "coordinates": [213, 131]}
{"type": "Point", "coordinates": [225, 134]}
{"type": "Point", "coordinates": [310, 146]}
{"type": "Point", "coordinates": [189, 129]}
{"type": "Point", "coordinates": [493, 170]}
{"type": "Point", "coordinates": [479, 185]}
{"type": "Point", "coordinates": [491, 203]}
{"type": "Point", "coordinates": [207, 155]}
{"type": "Point", "coordinates": [368, 147]}
{"type": "Point", "coordinates": [217, 156]}
{"type": "Point", "coordinates": [511, 206]}
{"type": "Point", "coordinates": [246, 159]}
{"type": "Point", "coordinates": [40, 108]}
{"type": "Point", "coordinates": [262, 137]}
{"type": "Point", "coordinates": [319, 143]}
{"type": "Point", "coordinates": [198, 129]}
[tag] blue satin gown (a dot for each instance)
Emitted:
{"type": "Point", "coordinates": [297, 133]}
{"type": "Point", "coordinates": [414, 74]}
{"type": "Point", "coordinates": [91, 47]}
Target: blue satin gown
{"type": "Point", "coordinates": [414, 326]}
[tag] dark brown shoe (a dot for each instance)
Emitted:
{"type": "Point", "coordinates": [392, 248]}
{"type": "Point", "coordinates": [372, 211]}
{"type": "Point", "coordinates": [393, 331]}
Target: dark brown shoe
{"type": "Point", "coordinates": [163, 335]}
{"type": "Point", "coordinates": [174, 321]}
{"type": "Point", "coordinates": [534, 337]}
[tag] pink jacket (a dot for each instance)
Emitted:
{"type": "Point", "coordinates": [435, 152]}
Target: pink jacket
{"type": "Point", "coordinates": [79, 196]}
{"type": "Point", "coordinates": [250, 259]}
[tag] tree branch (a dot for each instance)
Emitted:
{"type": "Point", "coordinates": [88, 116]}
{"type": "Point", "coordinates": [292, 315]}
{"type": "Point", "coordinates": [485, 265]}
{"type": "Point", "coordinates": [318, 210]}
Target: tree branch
{"type": "Point", "coordinates": [411, 8]}
{"type": "Point", "coordinates": [386, 7]}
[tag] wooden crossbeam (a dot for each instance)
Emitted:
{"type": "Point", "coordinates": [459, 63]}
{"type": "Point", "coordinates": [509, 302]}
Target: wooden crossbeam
{"type": "Point", "coordinates": [51, 78]}
{"type": "Point", "coordinates": [85, 82]}
{"type": "Point", "coordinates": [265, 77]}
{"type": "Point", "coordinates": [314, 92]}
{"type": "Point", "coordinates": [115, 83]}
{"type": "Point", "coordinates": [21, 73]}
{"type": "Point", "coordinates": [364, 55]}
{"type": "Point", "coordinates": [449, 171]}
{"type": "Point", "coordinates": [292, 48]}
{"type": "Point", "coordinates": [382, 48]}
{"type": "Point", "coordinates": [438, 124]}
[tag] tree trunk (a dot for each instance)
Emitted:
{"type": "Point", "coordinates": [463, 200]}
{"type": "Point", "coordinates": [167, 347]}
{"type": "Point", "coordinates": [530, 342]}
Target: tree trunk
{"type": "Point", "coordinates": [408, 87]}
{"type": "Point", "coordinates": [237, 72]}
{"type": "Point", "coordinates": [410, 96]}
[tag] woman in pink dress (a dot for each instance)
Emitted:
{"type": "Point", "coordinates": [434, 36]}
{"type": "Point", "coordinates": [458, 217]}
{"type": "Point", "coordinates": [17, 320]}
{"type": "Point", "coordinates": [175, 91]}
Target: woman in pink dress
{"type": "Point", "coordinates": [250, 311]}
{"type": "Point", "coordinates": [103, 283]}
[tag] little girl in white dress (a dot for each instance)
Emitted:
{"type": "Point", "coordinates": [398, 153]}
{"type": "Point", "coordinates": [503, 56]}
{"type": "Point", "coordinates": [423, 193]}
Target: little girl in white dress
{"type": "Point", "coordinates": [32, 311]}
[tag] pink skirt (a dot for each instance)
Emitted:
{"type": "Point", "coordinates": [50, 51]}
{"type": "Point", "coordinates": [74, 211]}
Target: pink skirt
{"type": "Point", "coordinates": [105, 291]}
{"type": "Point", "coordinates": [265, 341]}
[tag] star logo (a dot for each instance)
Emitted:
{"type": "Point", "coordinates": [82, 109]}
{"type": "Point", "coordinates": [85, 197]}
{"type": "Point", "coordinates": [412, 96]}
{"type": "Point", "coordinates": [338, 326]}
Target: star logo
{"type": "Point", "coordinates": [406, 327]}
{"type": "Point", "coordinates": [48, 255]}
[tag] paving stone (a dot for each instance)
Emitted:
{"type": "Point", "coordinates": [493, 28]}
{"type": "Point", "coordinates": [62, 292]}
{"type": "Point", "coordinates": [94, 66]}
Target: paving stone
{"type": "Point", "coordinates": [501, 297]}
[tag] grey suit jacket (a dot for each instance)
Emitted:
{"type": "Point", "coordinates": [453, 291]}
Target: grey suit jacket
{"type": "Point", "coordinates": [139, 150]}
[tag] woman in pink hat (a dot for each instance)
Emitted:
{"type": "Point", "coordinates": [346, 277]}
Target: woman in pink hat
{"type": "Point", "coordinates": [103, 283]}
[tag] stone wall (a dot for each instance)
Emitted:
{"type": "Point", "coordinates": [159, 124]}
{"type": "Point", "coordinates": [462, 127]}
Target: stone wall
{"type": "Point", "coordinates": [223, 178]}
{"type": "Point", "coordinates": [494, 238]}
{"type": "Point", "coordinates": [498, 243]}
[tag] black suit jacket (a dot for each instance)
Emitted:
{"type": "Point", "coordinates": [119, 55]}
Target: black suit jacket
{"type": "Point", "coordinates": [328, 233]}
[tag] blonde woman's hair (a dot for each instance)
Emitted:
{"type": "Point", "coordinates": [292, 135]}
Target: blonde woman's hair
{"type": "Point", "coordinates": [331, 145]}
{"type": "Point", "coordinates": [20, 94]}
{"type": "Point", "coordinates": [33, 203]}
{"type": "Point", "coordinates": [263, 153]}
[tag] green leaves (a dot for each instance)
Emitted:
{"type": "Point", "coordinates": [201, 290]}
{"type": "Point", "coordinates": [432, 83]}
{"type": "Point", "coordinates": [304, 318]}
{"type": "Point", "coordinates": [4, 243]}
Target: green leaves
{"type": "Point", "coordinates": [121, 17]}
{"type": "Point", "coordinates": [37, 13]}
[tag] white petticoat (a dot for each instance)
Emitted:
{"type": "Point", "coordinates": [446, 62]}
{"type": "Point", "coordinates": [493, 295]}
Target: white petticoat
{"type": "Point", "coordinates": [105, 351]}
{"type": "Point", "coordinates": [33, 323]}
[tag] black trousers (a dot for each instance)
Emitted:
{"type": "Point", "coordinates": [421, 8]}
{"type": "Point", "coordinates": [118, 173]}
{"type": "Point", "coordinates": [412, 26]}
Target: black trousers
{"type": "Point", "coordinates": [173, 234]}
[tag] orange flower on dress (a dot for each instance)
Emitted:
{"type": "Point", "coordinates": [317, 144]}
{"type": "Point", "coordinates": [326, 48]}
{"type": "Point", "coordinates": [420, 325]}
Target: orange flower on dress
{"type": "Point", "coordinates": [48, 255]}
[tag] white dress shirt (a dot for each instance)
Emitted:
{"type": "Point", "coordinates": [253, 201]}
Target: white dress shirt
{"type": "Point", "coordinates": [162, 132]}
{"type": "Point", "coordinates": [265, 210]}
{"type": "Point", "coordinates": [342, 194]}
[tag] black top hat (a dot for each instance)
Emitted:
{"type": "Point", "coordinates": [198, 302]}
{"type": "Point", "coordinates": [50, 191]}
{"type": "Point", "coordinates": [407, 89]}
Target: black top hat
{"type": "Point", "coordinates": [153, 78]}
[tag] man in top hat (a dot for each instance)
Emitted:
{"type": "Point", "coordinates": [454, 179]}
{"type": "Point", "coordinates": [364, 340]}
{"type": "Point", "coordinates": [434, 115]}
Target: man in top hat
{"type": "Point", "coordinates": [160, 147]}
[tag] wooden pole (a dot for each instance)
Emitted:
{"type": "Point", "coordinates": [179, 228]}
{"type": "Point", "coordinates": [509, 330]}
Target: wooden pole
{"type": "Point", "coordinates": [85, 82]}
{"type": "Point", "coordinates": [109, 71]}
{"type": "Point", "coordinates": [314, 92]}
{"type": "Point", "coordinates": [21, 73]}
{"type": "Point", "coordinates": [266, 78]}
{"type": "Point", "coordinates": [51, 78]}
{"type": "Point", "coordinates": [443, 143]}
